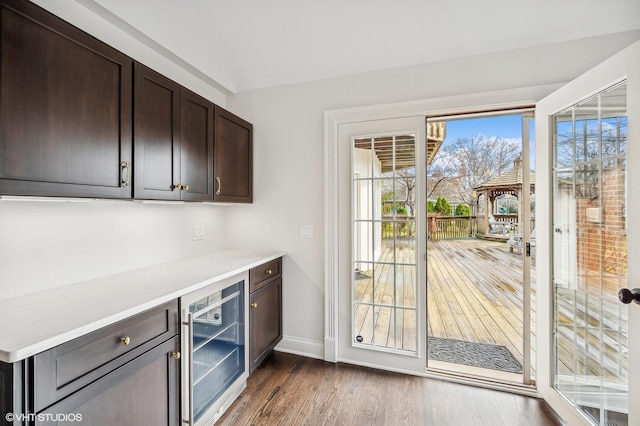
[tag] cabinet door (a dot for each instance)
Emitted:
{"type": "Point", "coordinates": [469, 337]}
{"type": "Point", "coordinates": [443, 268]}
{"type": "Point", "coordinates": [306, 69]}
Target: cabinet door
{"type": "Point", "coordinates": [156, 133]}
{"type": "Point", "coordinates": [265, 318]}
{"type": "Point", "coordinates": [196, 165]}
{"type": "Point", "coordinates": [144, 391]}
{"type": "Point", "coordinates": [233, 158]}
{"type": "Point", "coordinates": [65, 109]}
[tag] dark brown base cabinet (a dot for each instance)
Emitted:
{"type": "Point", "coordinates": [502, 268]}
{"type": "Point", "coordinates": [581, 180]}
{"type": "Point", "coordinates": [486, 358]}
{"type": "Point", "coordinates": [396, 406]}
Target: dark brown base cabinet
{"type": "Point", "coordinates": [265, 313]}
{"type": "Point", "coordinates": [127, 373]}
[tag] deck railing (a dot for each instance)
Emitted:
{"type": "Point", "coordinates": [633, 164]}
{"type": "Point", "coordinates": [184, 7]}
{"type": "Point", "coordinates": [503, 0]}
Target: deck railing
{"type": "Point", "coordinates": [451, 227]}
{"type": "Point", "coordinates": [398, 227]}
{"type": "Point", "coordinates": [442, 227]}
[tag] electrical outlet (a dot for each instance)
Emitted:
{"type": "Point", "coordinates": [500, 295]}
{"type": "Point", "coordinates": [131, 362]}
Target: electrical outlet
{"type": "Point", "coordinates": [306, 231]}
{"type": "Point", "coordinates": [198, 233]}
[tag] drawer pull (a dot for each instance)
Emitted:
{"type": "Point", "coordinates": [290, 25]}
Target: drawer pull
{"type": "Point", "coordinates": [178, 187]}
{"type": "Point", "coordinates": [219, 185]}
{"type": "Point", "coordinates": [176, 355]}
{"type": "Point", "coordinates": [125, 174]}
{"type": "Point", "coordinates": [268, 272]}
{"type": "Point", "coordinates": [254, 305]}
{"type": "Point", "coordinates": [186, 187]}
{"type": "Point", "coordinates": [125, 340]}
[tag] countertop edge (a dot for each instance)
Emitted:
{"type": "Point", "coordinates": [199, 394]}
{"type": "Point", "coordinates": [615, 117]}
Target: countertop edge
{"type": "Point", "coordinates": [11, 353]}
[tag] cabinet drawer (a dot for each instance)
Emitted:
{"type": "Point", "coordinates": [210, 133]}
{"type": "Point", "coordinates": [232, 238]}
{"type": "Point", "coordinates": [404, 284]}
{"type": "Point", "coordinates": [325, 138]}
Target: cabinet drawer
{"type": "Point", "coordinates": [72, 365]}
{"type": "Point", "coordinates": [261, 275]}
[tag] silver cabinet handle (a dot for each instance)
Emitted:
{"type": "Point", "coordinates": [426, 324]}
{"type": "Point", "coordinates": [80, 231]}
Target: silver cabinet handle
{"type": "Point", "coordinates": [125, 174]}
{"type": "Point", "coordinates": [189, 369]}
{"type": "Point", "coordinates": [218, 181]}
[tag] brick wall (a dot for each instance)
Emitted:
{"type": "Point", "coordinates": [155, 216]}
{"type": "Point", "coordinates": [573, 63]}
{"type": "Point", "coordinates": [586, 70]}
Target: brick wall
{"type": "Point", "coordinates": [602, 241]}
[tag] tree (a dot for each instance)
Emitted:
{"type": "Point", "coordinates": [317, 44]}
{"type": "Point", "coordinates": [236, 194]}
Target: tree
{"type": "Point", "coordinates": [407, 182]}
{"type": "Point", "coordinates": [462, 210]}
{"type": "Point", "coordinates": [443, 206]}
{"type": "Point", "coordinates": [467, 163]}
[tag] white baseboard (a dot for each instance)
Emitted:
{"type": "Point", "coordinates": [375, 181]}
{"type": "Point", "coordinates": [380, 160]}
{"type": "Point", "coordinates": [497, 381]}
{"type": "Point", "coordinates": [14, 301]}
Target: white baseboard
{"type": "Point", "coordinates": [303, 347]}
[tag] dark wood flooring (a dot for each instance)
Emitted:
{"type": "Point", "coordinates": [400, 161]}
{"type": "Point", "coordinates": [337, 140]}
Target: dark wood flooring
{"type": "Point", "coordinates": [294, 390]}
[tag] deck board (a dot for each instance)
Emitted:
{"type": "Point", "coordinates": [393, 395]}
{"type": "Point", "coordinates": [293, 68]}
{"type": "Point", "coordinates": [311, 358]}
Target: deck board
{"type": "Point", "coordinates": [487, 281]}
{"type": "Point", "coordinates": [474, 293]}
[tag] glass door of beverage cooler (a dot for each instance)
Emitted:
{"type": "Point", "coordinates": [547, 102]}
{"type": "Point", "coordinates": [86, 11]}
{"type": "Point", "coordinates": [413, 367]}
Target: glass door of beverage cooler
{"type": "Point", "coordinates": [216, 338]}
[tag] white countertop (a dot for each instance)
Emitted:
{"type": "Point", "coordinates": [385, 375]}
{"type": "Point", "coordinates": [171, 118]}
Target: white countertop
{"type": "Point", "coordinates": [33, 323]}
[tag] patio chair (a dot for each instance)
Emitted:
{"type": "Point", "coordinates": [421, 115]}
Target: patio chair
{"type": "Point", "coordinates": [496, 227]}
{"type": "Point", "coordinates": [515, 241]}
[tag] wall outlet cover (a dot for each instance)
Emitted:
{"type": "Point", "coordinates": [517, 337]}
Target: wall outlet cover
{"type": "Point", "coordinates": [198, 233]}
{"type": "Point", "coordinates": [306, 231]}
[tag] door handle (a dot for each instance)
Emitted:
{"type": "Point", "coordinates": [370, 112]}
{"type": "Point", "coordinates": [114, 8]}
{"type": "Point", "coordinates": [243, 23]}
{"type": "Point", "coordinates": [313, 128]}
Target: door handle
{"type": "Point", "coordinates": [627, 296]}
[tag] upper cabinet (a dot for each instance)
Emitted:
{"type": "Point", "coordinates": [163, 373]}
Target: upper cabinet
{"type": "Point", "coordinates": [156, 131]}
{"type": "Point", "coordinates": [80, 119]}
{"type": "Point", "coordinates": [233, 158]}
{"type": "Point", "coordinates": [65, 108]}
{"type": "Point", "coordinates": [196, 158]}
{"type": "Point", "coordinates": [173, 140]}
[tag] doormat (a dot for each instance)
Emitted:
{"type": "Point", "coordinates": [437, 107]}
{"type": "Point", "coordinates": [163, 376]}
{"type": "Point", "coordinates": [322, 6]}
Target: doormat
{"type": "Point", "coordinates": [482, 355]}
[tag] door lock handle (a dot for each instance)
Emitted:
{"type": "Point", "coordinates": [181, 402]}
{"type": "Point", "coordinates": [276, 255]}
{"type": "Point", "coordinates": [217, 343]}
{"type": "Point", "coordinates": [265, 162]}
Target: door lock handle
{"type": "Point", "coordinates": [627, 296]}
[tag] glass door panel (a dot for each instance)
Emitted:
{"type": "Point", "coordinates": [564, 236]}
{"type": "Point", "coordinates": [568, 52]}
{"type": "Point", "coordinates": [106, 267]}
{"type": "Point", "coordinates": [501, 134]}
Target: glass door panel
{"type": "Point", "coordinates": [590, 256]}
{"type": "Point", "coordinates": [217, 345]}
{"type": "Point", "coordinates": [384, 228]}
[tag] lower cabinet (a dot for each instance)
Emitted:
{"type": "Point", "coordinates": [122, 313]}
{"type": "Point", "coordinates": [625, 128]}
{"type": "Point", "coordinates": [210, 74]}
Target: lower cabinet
{"type": "Point", "coordinates": [127, 373]}
{"type": "Point", "coordinates": [143, 391]}
{"type": "Point", "coordinates": [131, 372]}
{"type": "Point", "coordinates": [265, 313]}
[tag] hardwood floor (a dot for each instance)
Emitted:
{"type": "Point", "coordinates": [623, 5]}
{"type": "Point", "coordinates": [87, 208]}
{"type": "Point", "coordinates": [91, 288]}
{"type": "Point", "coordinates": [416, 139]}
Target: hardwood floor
{"type": "Point", "coordinates": [294, 390]}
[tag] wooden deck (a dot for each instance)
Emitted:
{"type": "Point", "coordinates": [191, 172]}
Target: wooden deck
{"type": "Point", "coordinates": [475, 293]}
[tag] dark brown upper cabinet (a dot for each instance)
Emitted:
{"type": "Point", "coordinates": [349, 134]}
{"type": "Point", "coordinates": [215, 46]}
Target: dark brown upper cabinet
{"type": "Point", "coordinates": [65, 108]}
{"type": "Point", "coordinates": [233, 158]}
{"type": "Point", "coordinates": [173, 140]}
{"type": "Point", "coordinates": [196, 164]}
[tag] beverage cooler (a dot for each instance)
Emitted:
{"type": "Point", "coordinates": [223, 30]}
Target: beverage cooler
{"type": "Point", "coordinates": [215, 340]}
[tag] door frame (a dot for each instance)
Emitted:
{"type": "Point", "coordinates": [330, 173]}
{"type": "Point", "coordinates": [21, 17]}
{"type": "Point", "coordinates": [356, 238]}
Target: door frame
{"type": "Point", "coordinates": [623, 65]}
{"type": "Point", "coordinates": [334, 255]}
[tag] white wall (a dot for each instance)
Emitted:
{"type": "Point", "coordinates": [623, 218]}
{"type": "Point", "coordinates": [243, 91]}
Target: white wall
{"type": "Point", "coordinates": [93, 19]}
{"type": "Point", "coordinates": [49, 244]}
{"type": "Point", "coordinates": [288, 152]}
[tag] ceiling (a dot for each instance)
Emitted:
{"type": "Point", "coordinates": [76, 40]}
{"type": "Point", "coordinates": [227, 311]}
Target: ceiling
{"type": "Point", "coordinates": [251, 44]}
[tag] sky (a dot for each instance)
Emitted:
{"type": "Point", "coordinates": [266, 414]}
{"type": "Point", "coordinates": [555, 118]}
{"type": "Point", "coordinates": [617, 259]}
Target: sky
{"type": "Point", "coordinates": [508, 126]}
{"type": "Point", "coordinates": [501, 126]}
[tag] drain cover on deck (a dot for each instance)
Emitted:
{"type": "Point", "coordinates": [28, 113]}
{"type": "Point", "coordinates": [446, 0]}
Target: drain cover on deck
{"type": "Point", "coordinates": [481, 355]}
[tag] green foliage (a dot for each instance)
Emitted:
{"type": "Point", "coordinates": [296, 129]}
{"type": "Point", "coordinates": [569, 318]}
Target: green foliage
{"type": "Point", "coordinates": [443, 206]}
{"type": "Point", "coordinates": [431, 208]}
{"type": "Point", "coordinates": [462, 210]}
{"type": "Point", "coordinates": [401, 211]}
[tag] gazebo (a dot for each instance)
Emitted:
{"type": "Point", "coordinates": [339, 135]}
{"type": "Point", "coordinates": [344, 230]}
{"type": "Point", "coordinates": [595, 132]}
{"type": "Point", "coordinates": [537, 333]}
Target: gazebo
{"type": "Point", "coordinates": [509, 183]}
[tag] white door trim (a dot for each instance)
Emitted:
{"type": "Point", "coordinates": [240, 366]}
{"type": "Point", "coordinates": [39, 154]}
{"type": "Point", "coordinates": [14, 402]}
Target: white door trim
{"type": "Point", "coordinates": [334, 118]}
